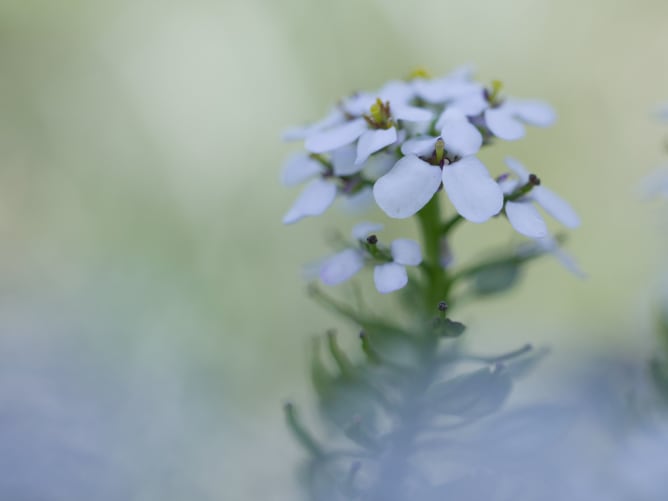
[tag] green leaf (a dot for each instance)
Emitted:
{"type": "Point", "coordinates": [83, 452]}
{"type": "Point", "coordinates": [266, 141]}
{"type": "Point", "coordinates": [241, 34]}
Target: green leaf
{"type": "Point", "coordinates": [495, 278]}
{"type": "Point", "coordinates": [473, 395]}
{"type": "Point", "coordinates": [448, 328]}
{"type": "Point", "coordinates": [321, 378]}
{"type": "Point", "coordinates": [299, 431]}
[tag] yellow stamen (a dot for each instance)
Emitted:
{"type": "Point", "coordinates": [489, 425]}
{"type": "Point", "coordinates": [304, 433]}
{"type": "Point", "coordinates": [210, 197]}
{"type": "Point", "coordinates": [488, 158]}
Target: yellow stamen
{"type": "Point", "coordinates": [419, 72]}
{"type": "Point", "coordinates": [378, 112]}
{"type": "Point", "coordinates": [497, 85]}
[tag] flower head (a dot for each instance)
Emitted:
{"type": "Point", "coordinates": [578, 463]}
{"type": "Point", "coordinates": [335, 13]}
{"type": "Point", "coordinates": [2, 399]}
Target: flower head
{"type": "Point", "coordinates": [370, 121]}
{"type": "Point", "coordinates": [331, 176]}
{"type": "Point", "coordinates": [449, 160]}
{"type": "Point", "coordinates": [424, 134]}
{"type": "Point", "coordinates": [390, 264]}
{"type": "Point", "coordinates": [525, 191]}
{"type": "Point", "coordinates": [500, 116]}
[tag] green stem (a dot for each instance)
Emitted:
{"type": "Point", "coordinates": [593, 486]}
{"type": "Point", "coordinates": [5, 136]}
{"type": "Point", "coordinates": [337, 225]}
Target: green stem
{"type": "Point", "coordinates": [451, 223]}
{"type": "Point", "coordinates": [429, 219]}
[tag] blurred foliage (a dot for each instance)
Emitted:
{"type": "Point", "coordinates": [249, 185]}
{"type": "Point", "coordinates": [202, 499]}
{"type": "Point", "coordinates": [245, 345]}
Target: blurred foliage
{"type": "Point", "coordinates": [384, 413]}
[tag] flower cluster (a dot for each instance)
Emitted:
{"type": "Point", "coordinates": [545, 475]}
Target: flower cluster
{"type": "Point", "coordinates": [407, 142]}
{"type": "Point", "coordinates": [389, 272]}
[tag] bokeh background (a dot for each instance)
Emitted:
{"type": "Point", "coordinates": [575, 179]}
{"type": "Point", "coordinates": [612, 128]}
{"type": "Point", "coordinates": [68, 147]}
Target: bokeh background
{"type": "Point", "coordinates": [153, 317]}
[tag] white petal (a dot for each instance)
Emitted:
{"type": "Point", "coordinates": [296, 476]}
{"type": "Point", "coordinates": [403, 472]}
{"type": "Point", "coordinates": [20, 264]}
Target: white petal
{"type": "Point", "coordinates": [434, 91]}
{"type": "Point", "coordinates": [379, 165]}
{"type": "Point", "coordinates": [358, 202]}
{"type": "Point", "coordinates": [410, 113]}
{"type": "Point", "coordinates": [298, 168]}
{"type": "Point", "coordinates": [473, 192]}
{"type": "Point", "coordinates": [343, 161]}
{"type": "Point", "coordinates": [471, 104]}
{"type": "Point", "coordinates": [372, 141]}
{"type": "Point", "coordinates": [389, 277]}
{"type": "Point", "coordinates": [450, 113]}
{"type": "Point", "coordinates": [555, 206]}
{"type": "Point", "coordinates": [396, 92]}
{"type": "Point", "coordinates": [525, 218]}
{"type": "Point", "coordinates": [313, 201]}
{"type": "Point", "coordinates": [414, 129]}
{"type": "Point", "coordinates": [364, 229]}
{"type": "Point", "coordinates": [407, 187]}
{"type": "Point", "coordinates": [440, 90]}
{"type": "Point", "coordinates": [459, 135]}
{"type": "Point", "coordinates": [331, 139]}
{"type": "Point", "coordinates": [533, 111]}
{"type": "Point", "coordinates": [502, 124]}
{"type": "Point", "coordinates": [518, 169]}
{"type": "Point", "coordinates": [334, 117]}
{"type": "Point", "coordinates": [358, 103]}
{"type": "Point", "coordinates": [341, 267]}
{"type": "Point", "coordinates": [406, 251]}
{"type": "Point", "coordinates": [419, 146]}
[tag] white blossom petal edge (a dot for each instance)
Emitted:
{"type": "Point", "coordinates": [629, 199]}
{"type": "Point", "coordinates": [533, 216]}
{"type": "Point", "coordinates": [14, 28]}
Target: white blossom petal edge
{"type": "Point", "coordinates": [473, 192]}
{"type": "Point", "coordinates": [406, 251]}
{"type": "Point", "coordinates": [299, 168]}
{"type": "Point", "coordinates": [316, 198]}
{"type": "Point", "coordinates": [526, 219]}
{"type": "Point", "coordinates": [336, 137]}
{"type": "Point", "coordinates": [341, 267]}
{"type": "Point", "coordinates": [372, 141]}
{"type": "Point", "coordinates": [551, 203]}
{"type": "Point", "coordinates": [407, 187]}
{"type": "Point", "coordinates": [389, 277]}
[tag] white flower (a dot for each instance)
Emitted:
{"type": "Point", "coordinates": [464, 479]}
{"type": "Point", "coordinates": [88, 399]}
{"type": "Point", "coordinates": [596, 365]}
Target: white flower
{"type": "Point", "coordinates": [389, 274]}
{"type": "Point", "coordinates": [506, 121]}
{"type": "Point", "coordinates": [522, 214]}
{"type": "Point", "coordinates": [412, 182]}
{"type": "Point", "coordinates": [456, 86]}
{"type": "Point", "coordinates": [503, 117]}
{"type": "Point", "coordinates": [372, 125]}
{"type": "Point", "coordinates": [321, 192]}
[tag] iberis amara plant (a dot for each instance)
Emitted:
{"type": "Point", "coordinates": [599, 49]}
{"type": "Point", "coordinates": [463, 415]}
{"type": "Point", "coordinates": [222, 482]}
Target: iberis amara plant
{"type": "Point", "coordinates": [410, 148]}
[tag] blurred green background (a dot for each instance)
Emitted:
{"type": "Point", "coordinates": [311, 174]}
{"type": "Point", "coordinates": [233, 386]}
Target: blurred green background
{"type": "Point", "coordinates": [153, 315]}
